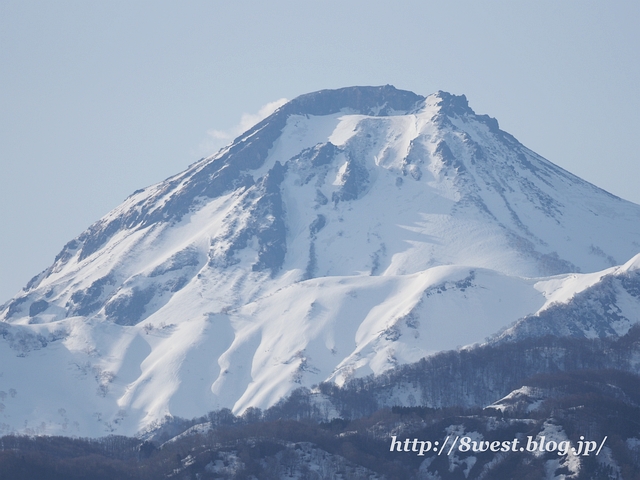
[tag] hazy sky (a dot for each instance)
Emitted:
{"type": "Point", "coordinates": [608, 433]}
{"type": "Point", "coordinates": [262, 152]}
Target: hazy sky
{"type": "Point", "coordinates": [98, 99]}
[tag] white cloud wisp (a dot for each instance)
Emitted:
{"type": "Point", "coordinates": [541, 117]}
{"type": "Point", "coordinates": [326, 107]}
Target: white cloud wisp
{"type": "Point", "coordinates": [217, 139]}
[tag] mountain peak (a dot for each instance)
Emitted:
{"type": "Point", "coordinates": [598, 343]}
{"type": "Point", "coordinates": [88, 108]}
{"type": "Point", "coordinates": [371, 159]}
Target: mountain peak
{"type": "Point", "coordinates": [365, 100]}
{"type": "Point", "coordinates": [451, 104]}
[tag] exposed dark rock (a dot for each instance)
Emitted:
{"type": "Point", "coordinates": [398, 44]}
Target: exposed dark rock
{"type": "Point", "coordinates": [317, 225]}
{"type": "Point", "coordinates": [265, 221]}
{"type": "Point", "coordinates": [355, 182]}
{"type": "Point", "coordinates": [319, 155]}
{"type": "Point", "coordinates": [129, 308]}
{"type": "Point", "coordinates": [37, 307]}
{"type": "Point", "coordinates": [312, 264]}
{"type": "Point", "coordinates": [188, 257]}
{"type": "Point", "coordinates": [85, 302]}
{"type": "Point", "coordinates": [68, 251]}
{"type": "Point", "coordinates": [378, 101]}
{"type": "Point", "coordinates": [35, 281]}
{"type": "Point", "coordinates": [15, 306]}
{"type": "Point", "coordinates": [447, 157]}
{"type": "Point", "coordinates": [451, 105]}
{"type": "Point", "coordinates": [271, 229]}
{"type": "Point", "coordinates": [321, 198]}
{"type": "Point", "coordinates": [97, 235]}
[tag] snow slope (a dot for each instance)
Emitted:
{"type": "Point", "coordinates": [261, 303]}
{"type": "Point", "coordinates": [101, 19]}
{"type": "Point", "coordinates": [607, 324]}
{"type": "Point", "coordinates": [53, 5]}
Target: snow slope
{"type": "Point", "coordinates": [350, 231]}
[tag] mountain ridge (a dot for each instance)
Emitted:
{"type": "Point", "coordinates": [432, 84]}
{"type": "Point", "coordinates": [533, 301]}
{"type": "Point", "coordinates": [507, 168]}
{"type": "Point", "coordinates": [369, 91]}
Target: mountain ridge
{"type": "Point", "coordinates": [351, 231]}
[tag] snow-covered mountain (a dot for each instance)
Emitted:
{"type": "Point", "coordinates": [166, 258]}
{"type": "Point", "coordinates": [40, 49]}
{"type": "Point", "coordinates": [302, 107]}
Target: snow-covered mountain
{"type": "Point", "coordinates": [351, 231]}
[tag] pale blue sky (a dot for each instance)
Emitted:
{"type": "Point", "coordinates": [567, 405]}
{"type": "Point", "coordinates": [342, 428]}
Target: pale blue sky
{"type": "Point", "coordinates": [101, 98]}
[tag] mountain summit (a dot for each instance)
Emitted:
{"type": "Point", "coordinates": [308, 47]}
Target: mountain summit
{"type": "Point", "coordinates": [351, 231]}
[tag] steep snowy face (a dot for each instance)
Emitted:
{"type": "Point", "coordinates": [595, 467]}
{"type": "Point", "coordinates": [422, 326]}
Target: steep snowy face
{"type": "Point", "coordinates": [356, 181]}
{"type": "Point", "coordinates": [350, 231]}
{"type": "Point", "coordinates": [592, 305]}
